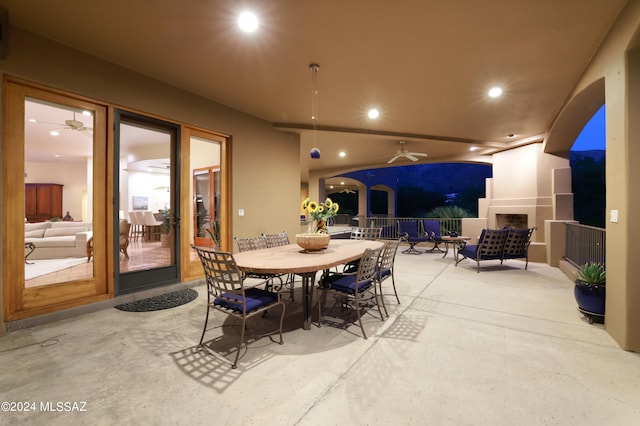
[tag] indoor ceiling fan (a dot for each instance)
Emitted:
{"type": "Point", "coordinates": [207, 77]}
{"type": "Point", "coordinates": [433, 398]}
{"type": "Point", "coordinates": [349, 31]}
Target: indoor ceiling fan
{"type": "Point", "coordinates": [402, 152]}
{"type": "Point", "coordinates": [73, 125]}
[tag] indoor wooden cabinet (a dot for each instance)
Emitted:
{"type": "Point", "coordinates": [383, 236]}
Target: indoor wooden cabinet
{"type": "Point", "coordinates": [42, 201]}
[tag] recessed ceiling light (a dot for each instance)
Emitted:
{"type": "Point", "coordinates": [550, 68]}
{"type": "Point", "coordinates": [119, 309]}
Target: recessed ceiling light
{"type": "Point", "coordinates": [32, 120]}
{"type": "Point", "coordinates": [495, 92]}
{"type": "Point", "coordinates": [54, 133]}
{"type": "Point", "coordinates": [373, 113]}
{"type": "Point", "coordinates": [341, 183]}
{"type": "Point", "coordinates": [342, 154]}
{"type": "Point", "coordinates": [87, 113]}
{"type": "Point", "coordinates": [248, 22]}
{"type": "Point", "coordinates": [473, 148]}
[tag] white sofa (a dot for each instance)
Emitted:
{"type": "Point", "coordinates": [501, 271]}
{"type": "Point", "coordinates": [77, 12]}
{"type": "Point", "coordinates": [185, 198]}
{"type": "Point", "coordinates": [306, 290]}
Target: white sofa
{"type": "Point", "coordinates": [54, 240]}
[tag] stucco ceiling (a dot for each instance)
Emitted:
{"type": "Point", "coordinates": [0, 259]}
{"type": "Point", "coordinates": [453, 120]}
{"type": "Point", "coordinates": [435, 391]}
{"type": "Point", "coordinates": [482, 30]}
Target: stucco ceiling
{"type": "Point", "coordinates": [426, 65]}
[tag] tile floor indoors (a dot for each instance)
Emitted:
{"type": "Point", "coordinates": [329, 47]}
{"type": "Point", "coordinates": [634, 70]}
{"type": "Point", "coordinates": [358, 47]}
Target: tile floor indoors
{"type": "Point", "coordinates": [502, 347]}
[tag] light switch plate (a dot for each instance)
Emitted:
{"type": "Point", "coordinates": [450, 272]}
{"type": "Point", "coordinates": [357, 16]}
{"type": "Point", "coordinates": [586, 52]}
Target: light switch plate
{"type": "Point", "coordinates": [613, 216]}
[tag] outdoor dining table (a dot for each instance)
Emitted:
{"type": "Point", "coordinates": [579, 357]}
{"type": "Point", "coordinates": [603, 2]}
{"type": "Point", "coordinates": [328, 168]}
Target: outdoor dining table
{"type": "Point", "coordinates": [292, 259]}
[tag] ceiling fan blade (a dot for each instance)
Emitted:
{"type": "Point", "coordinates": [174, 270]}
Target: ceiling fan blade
{"type": "Point", "coordinates": [418, 154]}
{"type": "Point", "coordinates": [394, 158]}
{"type": "Point", "coordinates": [411, 157]}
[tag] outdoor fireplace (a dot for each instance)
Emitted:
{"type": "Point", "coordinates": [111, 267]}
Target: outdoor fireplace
{"type": "Point", "coordinates": [518, 221]}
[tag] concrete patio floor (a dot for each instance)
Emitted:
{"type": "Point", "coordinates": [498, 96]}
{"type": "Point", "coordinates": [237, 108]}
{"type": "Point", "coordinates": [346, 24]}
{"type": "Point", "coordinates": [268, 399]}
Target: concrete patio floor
{"type": "Point", "coordinates": [505, 346]}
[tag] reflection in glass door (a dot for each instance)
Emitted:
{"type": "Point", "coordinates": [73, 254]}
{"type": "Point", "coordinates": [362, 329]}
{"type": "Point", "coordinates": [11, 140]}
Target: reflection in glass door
{"type": "Point", "coordinates": [147, 178]}
{"type": "Point", "coordinates": [206, 184]}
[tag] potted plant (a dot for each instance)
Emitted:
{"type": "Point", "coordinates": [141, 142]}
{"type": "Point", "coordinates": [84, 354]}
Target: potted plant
{"type": "Point", "coordinates": [165, 228]}
{"type": "Point", "coordinates": [589, 291]}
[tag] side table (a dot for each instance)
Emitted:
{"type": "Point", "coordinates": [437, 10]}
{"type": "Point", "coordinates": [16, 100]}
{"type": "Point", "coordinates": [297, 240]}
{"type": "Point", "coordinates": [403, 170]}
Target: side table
{"type": "Point", "coordinates": [457, 243]}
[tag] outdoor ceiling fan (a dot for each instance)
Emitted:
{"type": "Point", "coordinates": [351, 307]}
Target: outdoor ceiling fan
{"type": "Point", "coordinates": [402, 152]}
{"type": "Point", "coordinates": [347, 191]}
{"type": "Point", "coordinates": [73, 125]}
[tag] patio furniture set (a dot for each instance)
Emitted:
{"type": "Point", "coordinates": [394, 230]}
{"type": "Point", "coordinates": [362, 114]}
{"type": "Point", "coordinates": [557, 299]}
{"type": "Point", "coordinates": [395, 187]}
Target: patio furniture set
{"type": "Point", "coordinates": [275, 262]}
{"type": "Point", "coordinates": [493, 244]}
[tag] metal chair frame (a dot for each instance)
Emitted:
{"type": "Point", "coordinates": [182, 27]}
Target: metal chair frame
{"type": "Point", "coordinates": [365, 233]}
{"type": "Point", "coordinates": [225, 286]}
{"type": "Point", "coordinates": [276, 240]}
{"type": "Point", "coordinates": [431, 229]}
{"type": "Point", "coordinates": [365, 278]}
{"type": "Point", "coordinates": [490, 247]}
{"type": "Point", "coordinates": [257, 243]}
{"type": "Point", "coordinates": [385, 269]}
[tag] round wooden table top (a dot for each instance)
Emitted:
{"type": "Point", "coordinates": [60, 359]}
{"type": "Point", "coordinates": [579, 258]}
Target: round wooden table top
{"type": "Point", "coordinates": [458, 238]}
{"type": "Point", "coordinates": [294, 259]}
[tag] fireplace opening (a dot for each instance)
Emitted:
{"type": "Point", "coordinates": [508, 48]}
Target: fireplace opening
{"type": "Point", "coordinates": [517, 221]}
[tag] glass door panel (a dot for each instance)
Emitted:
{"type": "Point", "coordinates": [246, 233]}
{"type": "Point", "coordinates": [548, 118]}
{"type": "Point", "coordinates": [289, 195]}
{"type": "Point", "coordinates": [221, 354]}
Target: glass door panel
{"type": "Point", "coordinates": [147, 179]}
{"type": "Point", "coordinates": [206, 214]}
{"type": "Point", "coordinates": [58, 180]}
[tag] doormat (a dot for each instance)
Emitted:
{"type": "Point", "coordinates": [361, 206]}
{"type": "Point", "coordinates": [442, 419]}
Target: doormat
{"type": "Point", "coordinates": [157, 303]}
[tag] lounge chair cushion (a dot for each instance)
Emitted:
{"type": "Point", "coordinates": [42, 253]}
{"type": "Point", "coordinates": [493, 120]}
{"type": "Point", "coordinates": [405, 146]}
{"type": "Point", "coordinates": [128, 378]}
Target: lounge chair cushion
{"type": "Point", "coordinates": [471, 251]}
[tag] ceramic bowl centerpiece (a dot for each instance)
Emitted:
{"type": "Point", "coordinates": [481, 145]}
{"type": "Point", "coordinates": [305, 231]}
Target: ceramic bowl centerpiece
{"type": "Point", "coordinates": [313, 242]}
{"type": "Point", "coordinates": [317, 237]}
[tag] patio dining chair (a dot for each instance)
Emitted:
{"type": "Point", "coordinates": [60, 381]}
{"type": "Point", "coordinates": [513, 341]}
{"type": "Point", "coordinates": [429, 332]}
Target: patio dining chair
{"type": "Point", "coordinates": [281, 239]}
{"type": "Point", "coordinates": [352, 286]}
{"type": "Point", "coordinates": [431, 229]}
{"type": "Point", "coordinates": [361, 234]}
{"type": "Point", "coordinates": [257, 243]}
{"type": "Point", "coordinates": [226, 293]}
{"type": "Point", "coordinates": [384, 270]}
{"type": "Point", "coordinates": [409, 232]}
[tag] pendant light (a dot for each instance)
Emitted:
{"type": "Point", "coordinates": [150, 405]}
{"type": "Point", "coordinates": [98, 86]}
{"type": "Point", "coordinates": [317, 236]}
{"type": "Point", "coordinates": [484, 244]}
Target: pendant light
{"type": "Point", "coordinates": [315, 152]}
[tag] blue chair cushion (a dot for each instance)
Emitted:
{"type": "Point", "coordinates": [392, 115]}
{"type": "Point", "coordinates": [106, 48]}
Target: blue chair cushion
{"type": "Point", "coordinates": [468, 251]}
{"type": "Point", "coordinates": [411, 231]}
{"type": "Point", "coordinates": [382, 273]}
{"type": "Point", "coordinates": [344, 283]}
{"type": "Point", "coordinates": [255, 298]}
{"type": "Point", "coordinates": [472, 253]}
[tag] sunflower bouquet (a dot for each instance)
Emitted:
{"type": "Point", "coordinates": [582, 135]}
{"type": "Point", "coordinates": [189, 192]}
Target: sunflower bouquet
{"type": "Point", "coordinates": [320, 212]}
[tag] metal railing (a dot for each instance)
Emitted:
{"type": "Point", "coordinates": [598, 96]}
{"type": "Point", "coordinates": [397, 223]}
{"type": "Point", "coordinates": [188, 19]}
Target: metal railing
{"type": "Point", "coordinates": [585, 244]}
{"type": "Point", "coordinates": [390, 229]}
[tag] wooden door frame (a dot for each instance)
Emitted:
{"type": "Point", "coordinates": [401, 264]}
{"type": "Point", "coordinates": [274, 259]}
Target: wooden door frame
{"type": "Point", "coordinates": [20, 302]}
{"type": "Point", "coordinates": [192, 268]}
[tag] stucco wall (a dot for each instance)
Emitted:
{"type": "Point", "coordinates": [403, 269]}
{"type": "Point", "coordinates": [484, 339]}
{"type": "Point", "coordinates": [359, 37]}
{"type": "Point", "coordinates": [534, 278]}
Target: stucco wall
{"type": "Point", "coordinates": [620, 71]}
